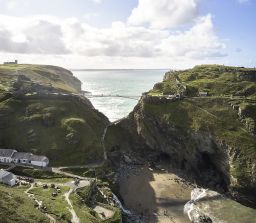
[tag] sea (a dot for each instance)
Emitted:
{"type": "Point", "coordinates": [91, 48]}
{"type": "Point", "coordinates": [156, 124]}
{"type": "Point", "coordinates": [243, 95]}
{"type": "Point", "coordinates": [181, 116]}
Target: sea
{"type": "Point", "coordinates": [113, 85]}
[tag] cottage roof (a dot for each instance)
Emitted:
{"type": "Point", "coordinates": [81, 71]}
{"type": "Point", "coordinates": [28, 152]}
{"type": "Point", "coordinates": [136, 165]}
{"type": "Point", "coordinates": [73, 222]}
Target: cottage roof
{"type": "Point", "coordinates": [39, 158]}
{"type": "Point", "coordinates": [6, 176]}
{"type": "Point", "coordinates": [7, 152]}
{"type": "Point", "coordinates": [22, 155]}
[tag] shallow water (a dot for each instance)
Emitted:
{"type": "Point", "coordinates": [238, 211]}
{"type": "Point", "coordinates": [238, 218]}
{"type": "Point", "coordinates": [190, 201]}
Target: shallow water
{"type": "Point", "coordinates": [117, 82]}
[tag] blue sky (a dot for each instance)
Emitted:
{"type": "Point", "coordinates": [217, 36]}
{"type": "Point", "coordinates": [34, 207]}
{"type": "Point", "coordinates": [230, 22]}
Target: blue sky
{"type": "Point", "coordinates": [128, 34]}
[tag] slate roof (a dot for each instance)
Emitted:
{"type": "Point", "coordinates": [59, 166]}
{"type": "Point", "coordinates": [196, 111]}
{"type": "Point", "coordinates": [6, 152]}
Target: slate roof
{"type": "Point", "coordinates": [7, 152]}
{"type": "Point", "coordinates": [39, 158]}
{"type": "Point", "coordinates": [6, 176]}
{"type": "Point", "coordinates": [22, 155]}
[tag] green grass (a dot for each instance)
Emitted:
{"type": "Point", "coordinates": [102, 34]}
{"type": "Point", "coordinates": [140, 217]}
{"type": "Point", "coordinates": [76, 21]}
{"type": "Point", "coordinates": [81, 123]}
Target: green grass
{"type": "Point", "coordinates": [87, 214]}
{"type": "Point", "coordinates": [83, 172]}
{"type": "Point", "coordinates": [217, 80]}
{"type": "Point", "coordinates": [56, 206]}
{"type": "Point", "coordinates": [15, 206]}
{"type": "Point", "coordinates": [36, 173]}
{"type": "Point", "coordinates": [56, 77]}
{"type": "Point", "coordinates": [99, 172]}
{"type": "Point", "coordinates": [66, 131]}
{"type": "Point", "coordinates": [207, 114]}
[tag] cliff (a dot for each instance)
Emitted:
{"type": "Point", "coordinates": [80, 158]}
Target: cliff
{"type": "Point", "coordinates": [41, 111]}
{"type": "Point", "coordinates": [206, 137]}
{"type": "Point", "coordinates": [29, 78]}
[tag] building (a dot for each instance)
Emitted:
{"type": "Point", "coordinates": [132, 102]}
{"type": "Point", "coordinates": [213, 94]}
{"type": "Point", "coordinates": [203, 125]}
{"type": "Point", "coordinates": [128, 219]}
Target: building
{"type": "Point", "coordinates": [7, 178]}
{"type": "Point", "coordinates": [203, 94]}
{"type": "Point", "coordinates": [6, 155]}
{"type": "Point", "coordinates": [15, 62]}
{"type": "Point", "coordinates": [41, 161]}
{"type": "Point", "coordinates": [12, 156]}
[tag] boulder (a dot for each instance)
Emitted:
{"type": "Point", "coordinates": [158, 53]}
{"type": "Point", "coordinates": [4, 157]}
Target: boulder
{"type": "Point", "coordinates": [208, 206]}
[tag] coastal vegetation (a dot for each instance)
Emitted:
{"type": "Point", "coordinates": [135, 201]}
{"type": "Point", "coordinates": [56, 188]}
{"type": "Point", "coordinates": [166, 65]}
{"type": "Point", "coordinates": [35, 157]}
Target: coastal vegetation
{"type": "Point", "coordinates": [46, 120]}
{"type": "Point", "coordinates": [15, 206]}
{"type": "Point", "coordinates": [200, 121]}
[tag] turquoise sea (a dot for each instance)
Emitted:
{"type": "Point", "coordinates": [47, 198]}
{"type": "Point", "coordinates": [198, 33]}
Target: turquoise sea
{"type": "Point", "coordinates": [117, 82]}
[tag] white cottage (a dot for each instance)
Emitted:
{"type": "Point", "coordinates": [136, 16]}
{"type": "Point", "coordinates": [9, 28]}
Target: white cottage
{"type": "Point", "coordinates": [6, 155]}
{"type": "Point", "coordinates": [7, 178]}
{"type": "Point", "coordinates": [30, 159]}
{"type": "Point", "coordinates": [41, 161]}
{"type": "Point", "coordinates": [12, 156]}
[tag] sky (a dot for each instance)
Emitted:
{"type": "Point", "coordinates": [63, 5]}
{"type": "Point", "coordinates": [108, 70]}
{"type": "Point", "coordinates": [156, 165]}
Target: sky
{"type": "Point", "coordinates": [123, 34]}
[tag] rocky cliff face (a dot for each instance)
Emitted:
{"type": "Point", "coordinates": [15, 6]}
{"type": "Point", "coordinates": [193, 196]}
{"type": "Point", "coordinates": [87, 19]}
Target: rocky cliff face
{"type": "Point", "coordinates": [202, 136]}
{"type": "Point", "coordinates": [208, 206]}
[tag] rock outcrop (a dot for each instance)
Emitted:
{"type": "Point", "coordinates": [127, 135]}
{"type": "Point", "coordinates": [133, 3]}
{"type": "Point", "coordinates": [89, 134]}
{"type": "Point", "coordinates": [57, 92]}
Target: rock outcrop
{"type": "Point", "coordinates": [208, 206]}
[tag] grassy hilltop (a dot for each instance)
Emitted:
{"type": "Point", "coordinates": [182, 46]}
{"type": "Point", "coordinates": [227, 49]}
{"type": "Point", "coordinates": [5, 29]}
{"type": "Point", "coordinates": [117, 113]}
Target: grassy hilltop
{"type": "Point", "coordinates": [41, 112]}
{"type": "Point", "coordinates": [48, 76]}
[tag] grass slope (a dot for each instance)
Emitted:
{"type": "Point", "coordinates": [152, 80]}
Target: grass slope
{"type": "Point", "coordinates": [64, 127]}
{"type": "Point", "coordinates": [56, 77]}
{"type": "Point", "coordinates": [67, 131]}
{"type": "Point", "coordinates": [15, 206]}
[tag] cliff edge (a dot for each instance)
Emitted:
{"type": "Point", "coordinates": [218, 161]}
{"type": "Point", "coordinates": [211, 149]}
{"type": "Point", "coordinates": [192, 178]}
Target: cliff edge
{"type": "Point", "coordinates": [203, 120]}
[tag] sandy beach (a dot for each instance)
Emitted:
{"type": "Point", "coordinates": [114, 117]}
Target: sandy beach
{"type": "Point", "coordinates": [159, 196]}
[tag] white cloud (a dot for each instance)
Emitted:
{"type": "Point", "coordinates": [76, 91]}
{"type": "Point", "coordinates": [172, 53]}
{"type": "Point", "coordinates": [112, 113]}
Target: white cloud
{"type": "Point", "coordinates": [41, 35]}
{"type": "Point", "coordinates": [44, 37]}
{"type": "Point", "coordinates": [97, 1]}
{"type": "Point", "coordinates": [89, 16]}
{"type": "Point", "coordinates": [163, 14]}
{"type": "Point", "coordinates": [198, 42]}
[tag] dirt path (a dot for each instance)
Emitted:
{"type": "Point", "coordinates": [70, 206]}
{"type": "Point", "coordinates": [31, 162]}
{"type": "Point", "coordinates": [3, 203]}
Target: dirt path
{"type": "Point", "coordinates": [84, 181]}
{"type": "Point", "coordinates": [52, 219]}
{"type": "Point", "coordinates": [60, 170]}
{"type": "Point", "coordinates": [75, 218]}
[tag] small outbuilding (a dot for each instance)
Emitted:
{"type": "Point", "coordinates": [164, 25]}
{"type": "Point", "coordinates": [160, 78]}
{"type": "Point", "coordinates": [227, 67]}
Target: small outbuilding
{"type": "Point", "coordinates": [7, 178]}
{"type": "Point", "coordinates": [41, 161]}
{"type": "Point", "coordinates": [203, 94]}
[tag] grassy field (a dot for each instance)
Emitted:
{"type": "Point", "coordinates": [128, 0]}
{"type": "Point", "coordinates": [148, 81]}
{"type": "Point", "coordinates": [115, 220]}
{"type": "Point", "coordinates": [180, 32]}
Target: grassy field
{"type": "Point", "coordinates": [15, 206]}
{"type": "Point", "coordinates": [56, 206]}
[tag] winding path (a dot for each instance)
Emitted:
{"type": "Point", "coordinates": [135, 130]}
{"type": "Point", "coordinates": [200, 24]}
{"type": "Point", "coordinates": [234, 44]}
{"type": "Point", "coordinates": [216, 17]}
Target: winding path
{"type": "Point", "coordinates": [84, 182]}
{"type": "Point", "coordinates": [75, 218]}
{"type": "Point", "coordinates": [30, 195]}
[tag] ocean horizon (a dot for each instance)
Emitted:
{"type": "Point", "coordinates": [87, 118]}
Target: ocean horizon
{"type": "Point", "coordinates": [117, 82]}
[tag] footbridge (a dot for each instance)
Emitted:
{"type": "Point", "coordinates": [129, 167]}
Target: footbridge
{"type": "Point", "coordinates": [133, 97]}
